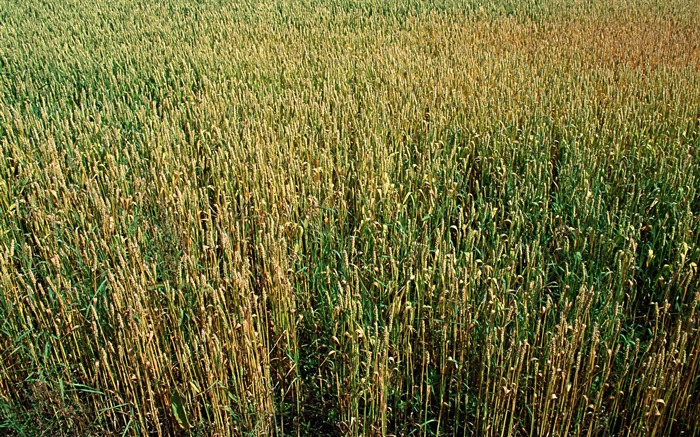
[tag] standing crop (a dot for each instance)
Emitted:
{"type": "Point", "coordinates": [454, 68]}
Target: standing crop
{"type": "Point", "coordinates": [357, 217]}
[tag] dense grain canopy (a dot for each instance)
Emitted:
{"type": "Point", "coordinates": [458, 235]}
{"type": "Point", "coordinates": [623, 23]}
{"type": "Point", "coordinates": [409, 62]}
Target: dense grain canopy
{"type": "Point", "coordinates": [349, 217]}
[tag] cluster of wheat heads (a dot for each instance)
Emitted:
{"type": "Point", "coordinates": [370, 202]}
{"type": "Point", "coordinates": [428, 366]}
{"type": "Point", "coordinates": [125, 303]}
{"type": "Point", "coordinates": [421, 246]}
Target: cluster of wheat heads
{"type": "Point", "coordinates": [349, 217]}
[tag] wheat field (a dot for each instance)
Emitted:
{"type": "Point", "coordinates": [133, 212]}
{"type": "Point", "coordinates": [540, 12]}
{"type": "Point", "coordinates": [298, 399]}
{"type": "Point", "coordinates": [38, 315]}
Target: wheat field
{"type": "Point", "coordinates": [350, 217]}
